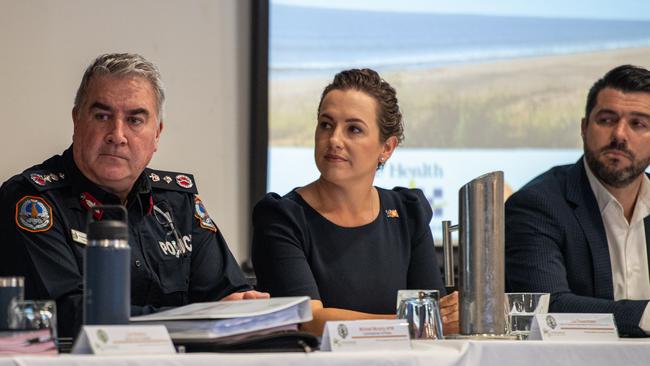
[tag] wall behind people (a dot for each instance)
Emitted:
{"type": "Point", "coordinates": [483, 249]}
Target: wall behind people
{"type": "Point", "coordinates": [201, 48]}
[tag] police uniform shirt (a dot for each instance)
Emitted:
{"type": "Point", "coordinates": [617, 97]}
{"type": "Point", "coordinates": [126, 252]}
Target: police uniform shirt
{"type": "Point", "coordinates": [44, 212]}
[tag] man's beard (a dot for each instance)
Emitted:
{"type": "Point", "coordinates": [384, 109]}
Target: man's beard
{"type": "Point", "coordinates": [616, 178]}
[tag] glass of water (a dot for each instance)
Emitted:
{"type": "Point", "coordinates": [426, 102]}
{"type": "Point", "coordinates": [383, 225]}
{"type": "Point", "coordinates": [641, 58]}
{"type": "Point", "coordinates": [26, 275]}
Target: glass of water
{"type": "Point", "coordinates": [421, 309]}
{"type": "Point", "coordinates": [12, 289]}
{"type": "Point", "coordinates": [34, 315]}
{"type": "Point", "coordinates": [521, 308]}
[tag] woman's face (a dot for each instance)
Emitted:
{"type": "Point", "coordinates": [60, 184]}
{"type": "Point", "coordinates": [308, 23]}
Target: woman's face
{"type": "Point", "coordinates": [348, 145]}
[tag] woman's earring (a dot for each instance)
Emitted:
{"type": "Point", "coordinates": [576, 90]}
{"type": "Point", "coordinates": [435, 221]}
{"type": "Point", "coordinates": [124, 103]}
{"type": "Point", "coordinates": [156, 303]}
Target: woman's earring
{"type": "Point", "coordinates": [381, 163]}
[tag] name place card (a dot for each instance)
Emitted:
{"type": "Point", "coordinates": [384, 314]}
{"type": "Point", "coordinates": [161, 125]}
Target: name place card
{"type": "Point", "coordinates": [360, 335]}
{"type": "Point", "coordinates": [573, 327]}
{"type": "Point", "coordinates": [123, 340]}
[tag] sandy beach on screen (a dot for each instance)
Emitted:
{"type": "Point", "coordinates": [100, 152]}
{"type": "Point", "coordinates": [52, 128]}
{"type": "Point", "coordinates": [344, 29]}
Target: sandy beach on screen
{"type": "Point", "coordinates": [527, 102]}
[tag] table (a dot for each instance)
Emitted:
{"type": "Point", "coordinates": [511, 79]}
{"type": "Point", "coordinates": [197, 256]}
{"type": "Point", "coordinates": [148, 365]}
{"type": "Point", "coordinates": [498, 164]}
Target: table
{"type": "Point", "coordinates": [625, 352]}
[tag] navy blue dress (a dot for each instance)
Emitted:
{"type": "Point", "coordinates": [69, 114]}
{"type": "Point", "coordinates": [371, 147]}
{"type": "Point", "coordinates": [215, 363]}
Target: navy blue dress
{"type": "Point", "coordinates": [297, 251]}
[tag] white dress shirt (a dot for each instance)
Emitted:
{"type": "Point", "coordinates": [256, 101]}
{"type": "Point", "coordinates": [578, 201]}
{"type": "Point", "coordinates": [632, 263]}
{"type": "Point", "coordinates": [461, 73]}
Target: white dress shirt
{"type": "Point", "coordinates": [627, 243]}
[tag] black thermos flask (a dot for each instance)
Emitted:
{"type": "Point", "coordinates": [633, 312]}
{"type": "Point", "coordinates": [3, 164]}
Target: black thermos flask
{"type": "Point", "coordinates": [107, 273]}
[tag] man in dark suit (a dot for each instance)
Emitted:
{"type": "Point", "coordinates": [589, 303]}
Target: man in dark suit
{"type": "Point", "coordinates": [582, 232]}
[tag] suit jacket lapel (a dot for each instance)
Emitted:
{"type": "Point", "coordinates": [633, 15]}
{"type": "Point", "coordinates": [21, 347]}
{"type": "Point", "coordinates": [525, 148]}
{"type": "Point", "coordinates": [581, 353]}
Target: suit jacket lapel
{"type": "Point", "coordinates": [588, 215]}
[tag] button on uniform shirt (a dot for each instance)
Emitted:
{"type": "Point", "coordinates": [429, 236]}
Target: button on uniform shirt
{"type": "Point", "coordinates": [43, 218]}
{"type": "Point", "coordinates": [627, 243]}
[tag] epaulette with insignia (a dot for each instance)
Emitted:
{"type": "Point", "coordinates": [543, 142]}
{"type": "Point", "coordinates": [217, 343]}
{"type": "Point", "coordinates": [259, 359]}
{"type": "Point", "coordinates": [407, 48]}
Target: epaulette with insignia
{"type": "Point", "coordinates": [44, 180]}
{"type": "Point", "coordinates": [171, 181]}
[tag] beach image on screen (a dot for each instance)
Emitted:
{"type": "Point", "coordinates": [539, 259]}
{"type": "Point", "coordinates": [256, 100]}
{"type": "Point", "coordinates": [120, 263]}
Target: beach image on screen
{"type": "Point", "coordinates": [481, 89]}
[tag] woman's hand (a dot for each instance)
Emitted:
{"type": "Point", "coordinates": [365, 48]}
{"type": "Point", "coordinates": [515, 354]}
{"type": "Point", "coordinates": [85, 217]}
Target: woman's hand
{"type": "Point", "coordinates": [246, 295]}
{"type": "Point", "coordinates": [449, 313]}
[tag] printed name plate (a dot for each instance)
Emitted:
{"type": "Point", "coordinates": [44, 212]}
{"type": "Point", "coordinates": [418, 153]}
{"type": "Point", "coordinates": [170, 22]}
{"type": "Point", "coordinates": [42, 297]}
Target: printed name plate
{"type": "Point", "coordinates": [573, 327]}
{"type": "Point", "coordinates": [123, 340]}
{"type": "Point", "coordinates": [359, 335]}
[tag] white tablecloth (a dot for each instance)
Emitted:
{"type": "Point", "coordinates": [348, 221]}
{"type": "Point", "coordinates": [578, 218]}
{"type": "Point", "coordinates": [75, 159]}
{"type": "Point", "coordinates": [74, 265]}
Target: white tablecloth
{"type": "Point", "coordinates": [440, 353]}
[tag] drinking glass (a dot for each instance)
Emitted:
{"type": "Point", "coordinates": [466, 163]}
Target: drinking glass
{"type": "Point", "coordinates": [521, 308]}
{"type": "Point", "coordinates": [30, 315]}
{"type": "Point", "coordinates": [414, 294]}
{"type": "Point", "coordinates": [421, 309]}
{"type": "Point", "coordinates": [12, 289]}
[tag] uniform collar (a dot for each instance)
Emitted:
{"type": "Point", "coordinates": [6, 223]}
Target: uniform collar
{"type": "Point", "coordinates": [89, 193]}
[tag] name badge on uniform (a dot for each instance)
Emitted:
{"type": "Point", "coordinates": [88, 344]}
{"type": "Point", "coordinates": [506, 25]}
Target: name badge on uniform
{"type": "Point", "coordinates": [79, 237]}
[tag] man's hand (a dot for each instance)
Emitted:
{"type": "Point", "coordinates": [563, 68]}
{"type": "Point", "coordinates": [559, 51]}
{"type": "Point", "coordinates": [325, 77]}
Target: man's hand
{"type": "Point", "coordinates": [246, 295]}
{"type": "Point", "coordinates": [449, 313]}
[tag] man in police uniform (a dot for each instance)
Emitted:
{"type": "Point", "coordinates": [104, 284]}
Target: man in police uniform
{"type": "Point", "coordinates": [178, 255]}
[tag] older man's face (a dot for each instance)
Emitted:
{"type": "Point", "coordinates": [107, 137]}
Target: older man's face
{"type": "Point", "coordinates": [116, 131]}
{"type": "Point", "coordinates": [617, 136]}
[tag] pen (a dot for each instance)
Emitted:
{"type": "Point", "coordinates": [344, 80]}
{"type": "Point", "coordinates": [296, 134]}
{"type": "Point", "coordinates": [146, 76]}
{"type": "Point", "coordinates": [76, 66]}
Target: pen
{"type": "Point", "coordinates": [35, 340]}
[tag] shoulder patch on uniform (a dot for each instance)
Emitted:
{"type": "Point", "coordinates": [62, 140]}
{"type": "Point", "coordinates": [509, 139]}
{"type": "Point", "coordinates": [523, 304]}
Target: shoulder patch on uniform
{"type": "Point", "coordinates": [181, 182]}
{"type": "Point", "coordinates": [34, 214]}
{"type": "Point", "coordinates": [43, 180]}
{"type": "Point", "coordinates": [202, 214]}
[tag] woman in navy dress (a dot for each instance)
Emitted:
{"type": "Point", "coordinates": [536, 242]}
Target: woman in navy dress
{"type": "Point", "coordinates": [340, 240]}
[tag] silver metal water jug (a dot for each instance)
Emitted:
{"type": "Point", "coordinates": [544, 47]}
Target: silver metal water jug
{"type": "Point", "coordinates": [481, 248]}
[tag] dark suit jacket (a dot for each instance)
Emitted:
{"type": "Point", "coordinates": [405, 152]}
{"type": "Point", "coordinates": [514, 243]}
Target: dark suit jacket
{"type": "Point", "coordinates": [556, 243]}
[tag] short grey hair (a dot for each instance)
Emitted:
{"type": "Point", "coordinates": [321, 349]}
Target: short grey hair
{"type": "Point", "coordinates": [121, 65]}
